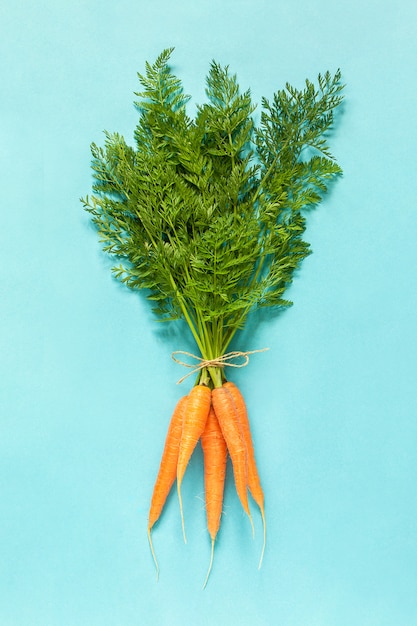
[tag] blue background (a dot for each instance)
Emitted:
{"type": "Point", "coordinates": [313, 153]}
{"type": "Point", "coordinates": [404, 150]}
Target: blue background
{"type": "Point", "coordinates": [87, 384]}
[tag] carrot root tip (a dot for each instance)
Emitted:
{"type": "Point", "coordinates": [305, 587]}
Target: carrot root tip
{"type": "Point", "coordinates": [264, 542]}
{"type": "Point", "coordinates": [153, 554]}
{"type": "Point", "coordinates": [252, 525]}
{"type": "Point", "coordinates": [181, 512]}
{"type": "Point", "coordinates": [210, 564]}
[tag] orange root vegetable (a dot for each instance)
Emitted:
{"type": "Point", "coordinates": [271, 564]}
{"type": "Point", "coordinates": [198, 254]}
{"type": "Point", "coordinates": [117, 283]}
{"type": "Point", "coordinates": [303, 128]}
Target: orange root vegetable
{"type": "Point", "coordinates": [227, 415]}
{"type": "Point", "coordinates": [195, 418]}
{"type": "Point", "coordinates": [215, 458]}
{"type": "Point", "coordinates": [254, 482]}
{"type": "Point", "coordinates": [167, 469]}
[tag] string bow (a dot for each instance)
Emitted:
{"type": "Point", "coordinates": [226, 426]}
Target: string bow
{"type": "Point", "coordinates": [224, 360]}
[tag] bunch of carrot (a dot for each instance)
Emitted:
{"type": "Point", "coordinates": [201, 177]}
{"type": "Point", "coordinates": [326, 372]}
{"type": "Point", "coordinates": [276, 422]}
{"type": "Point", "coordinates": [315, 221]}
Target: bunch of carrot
{"type": "Point", "coordinates": [207, 216]}
{"type": "Point", "coordinates": [218, 417]}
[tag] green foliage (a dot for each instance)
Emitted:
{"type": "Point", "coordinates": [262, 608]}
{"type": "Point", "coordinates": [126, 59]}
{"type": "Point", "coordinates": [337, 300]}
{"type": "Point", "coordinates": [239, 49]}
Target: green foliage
{"type": "Point", "coordinates": [207, 214]}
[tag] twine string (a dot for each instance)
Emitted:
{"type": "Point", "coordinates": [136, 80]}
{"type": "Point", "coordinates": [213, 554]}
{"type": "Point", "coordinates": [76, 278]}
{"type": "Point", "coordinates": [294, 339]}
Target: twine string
{"type": "Point", "coordinates": [224, 360]}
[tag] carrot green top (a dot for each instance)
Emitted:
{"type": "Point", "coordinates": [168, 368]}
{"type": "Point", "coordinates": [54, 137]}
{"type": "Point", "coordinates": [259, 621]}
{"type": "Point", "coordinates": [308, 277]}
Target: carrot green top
{"type": "Point", "coordinates": [206, 213]}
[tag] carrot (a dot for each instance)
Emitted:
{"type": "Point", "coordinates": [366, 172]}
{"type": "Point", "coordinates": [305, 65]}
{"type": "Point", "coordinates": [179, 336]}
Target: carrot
{"type": "Point", "coordinates": [195, 418]}
{"type": "Point", "coordinates": [254, 482]}
{"type": "Point", "coordinates": [167, 469]}
{"type": "Point", "coordinates": [227, 415]}
{"type": "Point", "coordinates": [215, 458]}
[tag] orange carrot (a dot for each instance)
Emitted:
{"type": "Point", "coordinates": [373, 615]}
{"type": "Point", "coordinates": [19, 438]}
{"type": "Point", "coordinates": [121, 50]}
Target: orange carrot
{"type": "Point", "coordinates": [227, 415]}
{"type": "Point", "coordinates": [168, 466]}
{"type": "Point", "coordinates": [215, 458]}
{"type": "Point", "coordinates": [167, 469]}
{"type": "Point", "coordinates": [254, 482]}
{"type": "Point", "coordinates": [195, 418]}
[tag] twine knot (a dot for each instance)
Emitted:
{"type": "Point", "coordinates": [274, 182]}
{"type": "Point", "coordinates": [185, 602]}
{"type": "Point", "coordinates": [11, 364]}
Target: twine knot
{"type": "Point", "coordinates": [224, 360]}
